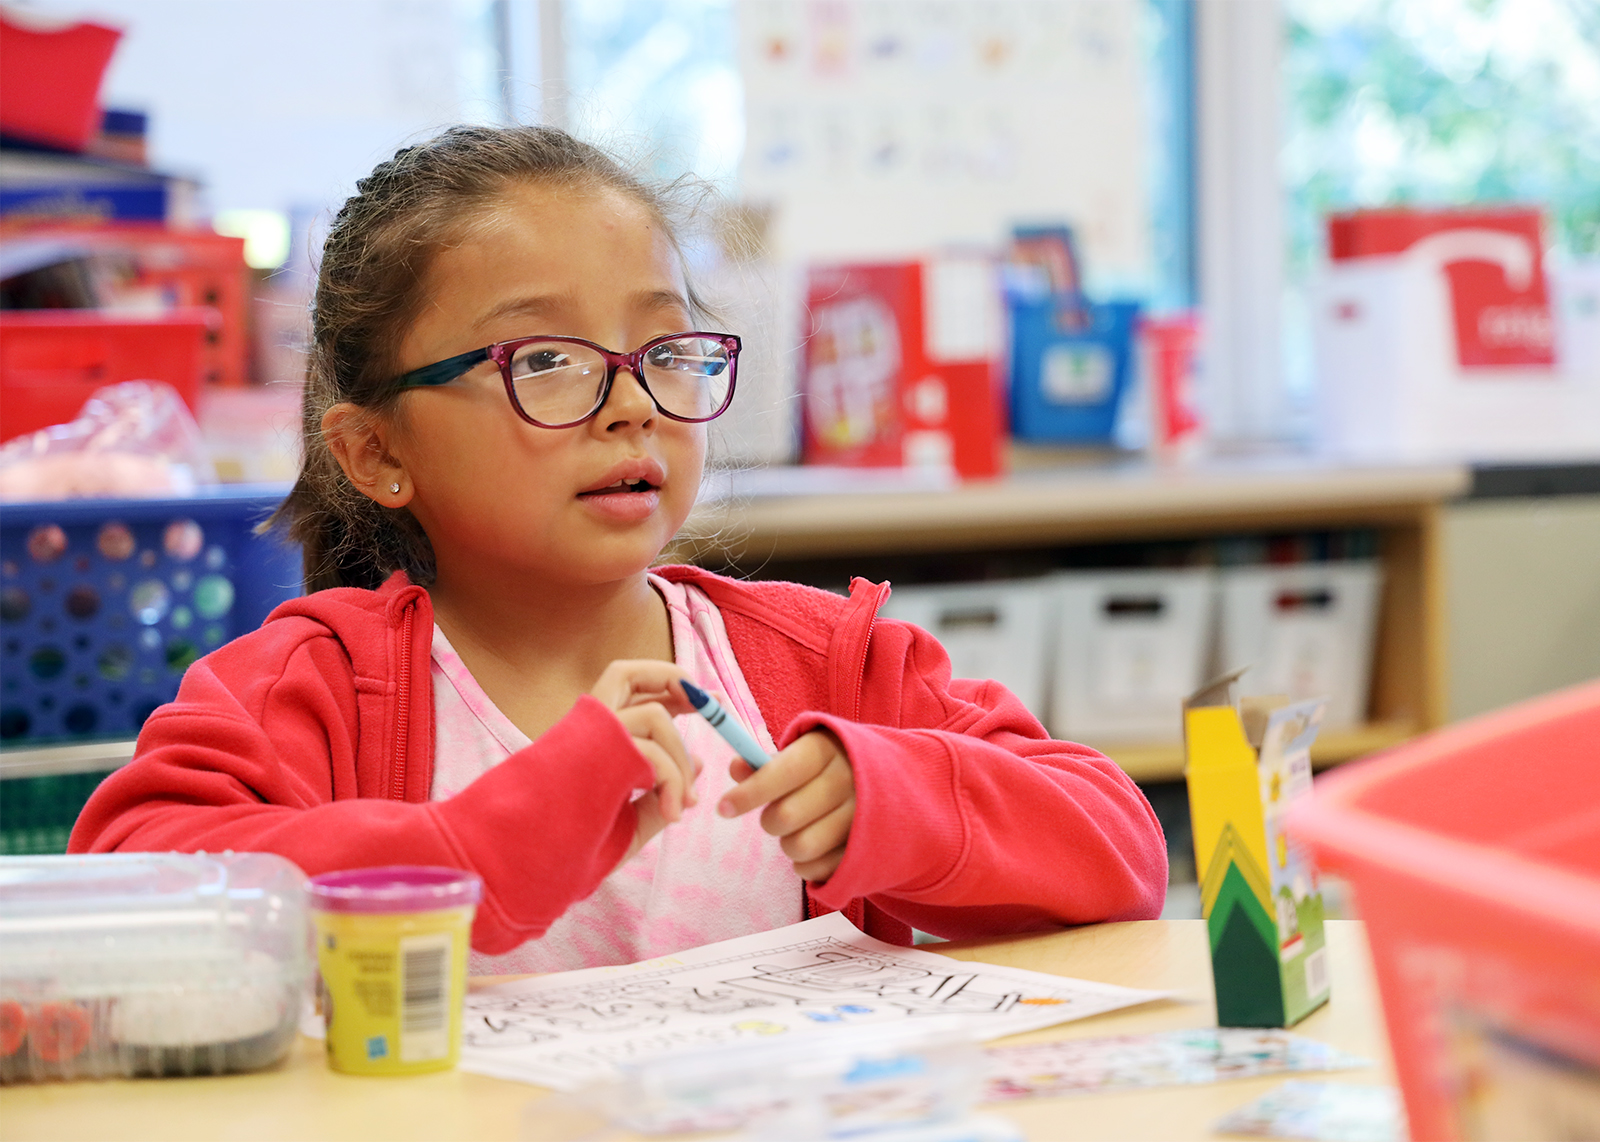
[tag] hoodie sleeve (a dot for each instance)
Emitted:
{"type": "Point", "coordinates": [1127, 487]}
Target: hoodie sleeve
{"type": "Point", "coordinates": [970, 820]}
{"type": "Point", "coordinates": [264, 758]}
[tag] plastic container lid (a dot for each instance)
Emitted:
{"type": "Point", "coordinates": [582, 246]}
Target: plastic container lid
{"type": "Point", "coordinates": [394, 888]}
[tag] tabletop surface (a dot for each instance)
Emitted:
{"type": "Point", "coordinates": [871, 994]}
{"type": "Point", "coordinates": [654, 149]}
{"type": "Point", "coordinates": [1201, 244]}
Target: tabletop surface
{"type": "Point", "coordinates": [302, 1099]}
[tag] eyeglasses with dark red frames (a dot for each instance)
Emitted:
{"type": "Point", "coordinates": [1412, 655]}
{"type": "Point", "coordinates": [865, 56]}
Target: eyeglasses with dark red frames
{"type": "Point", "coordinates": [724, 347]}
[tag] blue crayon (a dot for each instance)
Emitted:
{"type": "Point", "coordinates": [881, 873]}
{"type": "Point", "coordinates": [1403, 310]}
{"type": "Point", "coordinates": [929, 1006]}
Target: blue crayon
{"type": "Point", "coordinates": [726, 725]}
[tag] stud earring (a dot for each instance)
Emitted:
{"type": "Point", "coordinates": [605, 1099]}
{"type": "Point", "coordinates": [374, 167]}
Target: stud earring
{"type": "Point", "coordinates": [394, 489]}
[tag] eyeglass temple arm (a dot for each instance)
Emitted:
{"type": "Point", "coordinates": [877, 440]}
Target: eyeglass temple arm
{"type": "Point", "coordinates": [442, 372]}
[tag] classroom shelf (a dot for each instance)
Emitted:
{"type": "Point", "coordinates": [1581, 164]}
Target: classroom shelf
{"type": "Point", "coordinates": [1163, 761]}
{"type": "Point", "coordinates": [761, 516]}
{"type": "Point", "coordinates": [787, 523]}
{"type": "Point", "coordinates": [59, 760]}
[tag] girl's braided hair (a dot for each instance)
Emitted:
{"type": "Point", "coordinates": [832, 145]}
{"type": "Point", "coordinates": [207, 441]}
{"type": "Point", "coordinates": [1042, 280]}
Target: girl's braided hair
{"type": "Point", "coordinates": [376, 256]}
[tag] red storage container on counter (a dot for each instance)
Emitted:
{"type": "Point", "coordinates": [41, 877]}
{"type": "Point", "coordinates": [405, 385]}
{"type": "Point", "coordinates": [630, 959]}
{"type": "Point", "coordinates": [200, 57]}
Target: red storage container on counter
{"type": "Point", "coordinates": [1493, 258]}
{"type": "Point", "coordinates": [50, 82]}
{"type": "Point", "coordinates": [1474, 856]}
{"type": "Point", "coordinates": [52, 360]}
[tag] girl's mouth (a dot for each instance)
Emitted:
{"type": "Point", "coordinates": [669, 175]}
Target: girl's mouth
{"type": "Point", "coordinates": [626, 501]}
{"type": "Point", "coordinates": [622, 486]}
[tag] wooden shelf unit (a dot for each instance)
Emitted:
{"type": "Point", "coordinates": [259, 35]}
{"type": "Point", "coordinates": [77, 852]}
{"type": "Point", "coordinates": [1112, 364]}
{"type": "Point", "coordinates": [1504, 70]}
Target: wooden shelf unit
{"type": "Point", "coordinates": [1163, 761]}
{"type": "Point", "coordinates": [758, 527]}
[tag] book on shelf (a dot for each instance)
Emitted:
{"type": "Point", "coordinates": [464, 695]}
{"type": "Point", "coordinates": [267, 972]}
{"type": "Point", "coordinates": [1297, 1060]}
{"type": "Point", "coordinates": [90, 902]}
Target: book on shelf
{"type": "Point", "coordinates": [50, 187]}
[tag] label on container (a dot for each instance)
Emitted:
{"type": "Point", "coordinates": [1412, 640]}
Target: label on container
{"type": "Point", "coordinates": [425, 997]}
{"type": "Point", "coordinates": [392, 987]}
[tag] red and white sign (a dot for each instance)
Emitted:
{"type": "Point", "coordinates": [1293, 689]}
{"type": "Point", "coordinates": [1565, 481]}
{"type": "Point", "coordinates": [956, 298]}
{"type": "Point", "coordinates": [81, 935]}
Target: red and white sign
{"type": "Point", "coordinates": [1492, 260]}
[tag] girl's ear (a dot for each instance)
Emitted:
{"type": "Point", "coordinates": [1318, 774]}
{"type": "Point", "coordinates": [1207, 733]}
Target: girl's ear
{"type": "Point", "coordinates": [360, 442]}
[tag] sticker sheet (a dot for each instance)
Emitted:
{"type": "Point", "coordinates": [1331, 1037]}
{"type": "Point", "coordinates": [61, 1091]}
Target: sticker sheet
{"type": "Point", "coordinates": [821, 977]}
{"type": "Point", "coordinates": [1321, 1112]}
{"type": "Point", "coordinates": [1165, 1058]}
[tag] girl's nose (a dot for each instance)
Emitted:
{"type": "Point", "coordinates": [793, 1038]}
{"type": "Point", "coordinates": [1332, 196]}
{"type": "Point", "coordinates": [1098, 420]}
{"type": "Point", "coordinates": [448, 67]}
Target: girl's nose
{"type": "Point", "coordinates": [627, 404]}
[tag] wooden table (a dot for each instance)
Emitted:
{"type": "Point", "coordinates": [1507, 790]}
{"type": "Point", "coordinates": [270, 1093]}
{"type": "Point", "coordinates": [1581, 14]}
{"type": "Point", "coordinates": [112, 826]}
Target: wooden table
{"type": "Point", "coordinates": [302, 1099]}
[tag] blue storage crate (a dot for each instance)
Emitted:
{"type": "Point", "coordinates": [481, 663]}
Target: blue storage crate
{"type": "Point", "coordinates": [105, 603]}
{"type": "Point", "coordinates": [1071, 362]}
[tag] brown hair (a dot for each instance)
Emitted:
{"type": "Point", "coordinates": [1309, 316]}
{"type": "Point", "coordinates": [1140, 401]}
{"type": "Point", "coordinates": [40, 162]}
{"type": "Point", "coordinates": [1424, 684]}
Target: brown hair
{"type": "Point", "coordinates": [377, 253]}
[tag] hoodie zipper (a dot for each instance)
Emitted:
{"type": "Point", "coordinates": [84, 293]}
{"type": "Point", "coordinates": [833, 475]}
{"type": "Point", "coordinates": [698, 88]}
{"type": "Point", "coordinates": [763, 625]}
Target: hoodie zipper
{"type": "Point", "coordinates": [402, 720]}
{"type": "Point", "coordinates": [859, 665]}
{"type": "Point", "coordinates": [855, 910]}
{"type": "Point", "coordinates": [860, 672]}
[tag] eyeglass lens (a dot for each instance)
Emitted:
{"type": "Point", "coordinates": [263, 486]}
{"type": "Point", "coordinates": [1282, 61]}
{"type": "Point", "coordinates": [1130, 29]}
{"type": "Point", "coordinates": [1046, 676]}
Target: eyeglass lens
{"type": "Point", "coordinates": [557, 382]}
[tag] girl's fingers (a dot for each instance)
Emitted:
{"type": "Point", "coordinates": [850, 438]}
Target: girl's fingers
{"type": "Point", "coordinates": [818, 871]}
{"type": "Point", "coordinates": [659, 741]}
{"type": "Point", "coordinates": [820, 837]}
{"type": "Point", "coordinates": [670, 786]}
{"type": "Point", "coordinates": [649, 823]}
{"type": "Point", "coordinates": [664, 804]}
{"type": "Point", "coordinates": [631, 681]}
{"type": "Point", "coordinates": [823, 794]}
{"type": "Point", "coordinates": [809, 794]}
{"type": "Point", "coordinates": [804, 760]}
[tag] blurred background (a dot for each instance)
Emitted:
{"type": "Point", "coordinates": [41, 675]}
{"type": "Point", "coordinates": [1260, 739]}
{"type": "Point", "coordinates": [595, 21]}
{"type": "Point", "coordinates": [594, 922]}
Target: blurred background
{"type": "Point", "coordinates": [1293, 302]}
{"type": "Point", "coordinates": [1163, 131]}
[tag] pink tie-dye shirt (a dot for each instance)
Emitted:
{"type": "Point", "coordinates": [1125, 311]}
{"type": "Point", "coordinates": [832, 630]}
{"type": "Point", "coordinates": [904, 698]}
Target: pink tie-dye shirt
{"type": "Point", "coordinates": [698, 881]}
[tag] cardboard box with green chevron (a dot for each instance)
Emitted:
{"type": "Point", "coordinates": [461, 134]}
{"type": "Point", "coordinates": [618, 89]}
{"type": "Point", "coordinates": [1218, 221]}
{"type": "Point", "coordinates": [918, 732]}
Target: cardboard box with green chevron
{"type": "Point", "coordinates": [1247, 762]}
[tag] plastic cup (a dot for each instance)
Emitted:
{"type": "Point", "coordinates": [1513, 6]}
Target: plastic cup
{"type": "Point", "coordinates": [392, 948]}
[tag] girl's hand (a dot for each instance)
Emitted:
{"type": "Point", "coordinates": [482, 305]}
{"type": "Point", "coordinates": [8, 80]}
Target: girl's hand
{"type": "Point", "coordinates": [809, 791]}
{"type": "Point", "coordinates": [643, 695]}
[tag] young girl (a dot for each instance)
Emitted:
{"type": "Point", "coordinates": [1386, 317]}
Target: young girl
{"type": "Point", "coordinates": [504, 426]}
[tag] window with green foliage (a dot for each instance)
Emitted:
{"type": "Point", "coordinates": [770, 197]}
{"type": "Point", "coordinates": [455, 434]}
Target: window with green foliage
{"type": "Point", "coordinates": [1443, 102]}
{"type": "Point", "coordinates": [1434, 103]}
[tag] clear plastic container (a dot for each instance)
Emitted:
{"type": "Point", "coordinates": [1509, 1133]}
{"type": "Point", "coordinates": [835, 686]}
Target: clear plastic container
{"type": "Point", "coordinates": [149, 964]}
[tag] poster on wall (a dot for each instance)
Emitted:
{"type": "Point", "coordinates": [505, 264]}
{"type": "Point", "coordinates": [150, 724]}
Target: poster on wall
{"type": "Point", "coordinates": [888, 128]}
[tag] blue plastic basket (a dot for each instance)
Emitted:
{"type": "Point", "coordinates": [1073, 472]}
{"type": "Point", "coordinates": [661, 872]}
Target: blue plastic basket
{"type": "Point", "coordinates": [1070, 364]}
{"type": "Point", "coordinates": [105, 603]}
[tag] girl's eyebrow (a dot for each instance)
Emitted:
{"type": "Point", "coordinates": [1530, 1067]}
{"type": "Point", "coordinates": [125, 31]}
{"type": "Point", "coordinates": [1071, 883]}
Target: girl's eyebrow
{"type": "Point", "coordinates": [543, 305]}
{"type": "Point", "coordinates": [538, 305]}
{"type": "Point", "coordinates": [656, 299]}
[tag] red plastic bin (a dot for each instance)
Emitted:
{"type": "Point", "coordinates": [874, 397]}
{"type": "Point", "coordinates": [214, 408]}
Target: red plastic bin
{"type": "Point", "coordinates": [189, 268]}
{"type": "Point", "coordinates": [52, 360]}
{"type": "Point", "coordinates": [1474, 856]}
{"type": "Point", "coordinates": [50, 84]}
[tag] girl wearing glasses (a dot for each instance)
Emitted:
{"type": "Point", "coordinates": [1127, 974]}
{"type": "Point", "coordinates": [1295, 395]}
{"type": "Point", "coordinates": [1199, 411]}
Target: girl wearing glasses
{"type": "Point", "coordinates": [504, 426]}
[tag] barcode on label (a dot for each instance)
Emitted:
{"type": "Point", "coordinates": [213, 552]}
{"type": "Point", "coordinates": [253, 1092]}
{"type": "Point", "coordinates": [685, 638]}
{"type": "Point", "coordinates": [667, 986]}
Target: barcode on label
{"type": "Point", "coordinates": [424, 997]}
{"type": "Point", "coordinates": [1317, 972]}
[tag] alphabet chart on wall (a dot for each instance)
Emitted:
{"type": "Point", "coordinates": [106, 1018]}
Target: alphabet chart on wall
{"type": "Point", "coordinates": [817, 978]}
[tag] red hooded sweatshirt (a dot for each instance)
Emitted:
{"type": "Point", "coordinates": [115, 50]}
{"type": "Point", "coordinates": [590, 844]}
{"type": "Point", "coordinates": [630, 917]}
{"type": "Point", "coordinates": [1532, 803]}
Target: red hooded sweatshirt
{"type": "Point", "coordinates": [313, 738]}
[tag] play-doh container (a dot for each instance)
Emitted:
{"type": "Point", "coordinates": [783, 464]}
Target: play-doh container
{"type": "Point", "coordinates": [392, 949]}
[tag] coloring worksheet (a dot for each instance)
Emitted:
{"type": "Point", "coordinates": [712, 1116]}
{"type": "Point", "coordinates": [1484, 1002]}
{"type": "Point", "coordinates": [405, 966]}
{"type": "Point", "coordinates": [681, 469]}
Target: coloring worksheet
{"type": "Point", "coordinates": [820, 977]}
